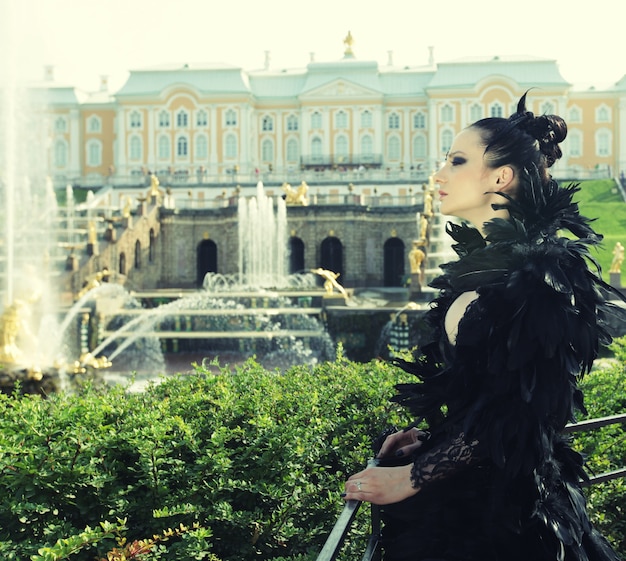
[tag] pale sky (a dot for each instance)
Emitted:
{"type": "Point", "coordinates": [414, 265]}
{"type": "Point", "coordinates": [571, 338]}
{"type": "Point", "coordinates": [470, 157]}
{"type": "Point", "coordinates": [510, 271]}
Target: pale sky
{"type": "Point", "coordinates": [84, 39]}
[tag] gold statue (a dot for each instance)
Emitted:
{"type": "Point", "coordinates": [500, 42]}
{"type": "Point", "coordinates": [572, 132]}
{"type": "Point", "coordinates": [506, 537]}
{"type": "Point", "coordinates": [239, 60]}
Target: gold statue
{"type": "Point", "coordinates": [296, 197]}
{"type": "Point", "coordinates": [14, 330]}
{"type": "Point", "coordinates": [92, 236]}
{"type": "Point", "coordinates": [423, 227]}
{"type": "Point", "coordinates": [154, 185]}
{"type": "Point", "coordinates": [127, 207]}
{"type": "Point", "coordinates": [428, 203]}
{"type": "Point", "coordinates": [618, 258]}
{"type": "Point", "coordinates": [348, 42]}
{"type": "Point", "coordinates": [416, 257]}
{"type": "Point", "coordinates": [330, 281]}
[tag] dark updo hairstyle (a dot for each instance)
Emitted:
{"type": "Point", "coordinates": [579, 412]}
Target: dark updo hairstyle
{"type": "Point", "coordinates": [522, 140]}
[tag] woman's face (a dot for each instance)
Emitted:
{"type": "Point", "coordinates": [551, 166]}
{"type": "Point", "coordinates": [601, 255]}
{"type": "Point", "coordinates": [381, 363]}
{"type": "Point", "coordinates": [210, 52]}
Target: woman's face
{"type": "Point", "coordinates": [465, 183]}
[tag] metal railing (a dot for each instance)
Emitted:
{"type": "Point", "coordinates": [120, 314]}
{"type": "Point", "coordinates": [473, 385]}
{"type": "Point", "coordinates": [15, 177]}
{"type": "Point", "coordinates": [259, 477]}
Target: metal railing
{"type": "Point", "coordinates": [337, 536]}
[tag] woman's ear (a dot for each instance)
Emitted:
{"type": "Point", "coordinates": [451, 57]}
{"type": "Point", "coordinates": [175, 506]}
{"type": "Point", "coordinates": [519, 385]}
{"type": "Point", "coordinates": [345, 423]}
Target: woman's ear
{"type": "Point", "coordinates": [505, 176]}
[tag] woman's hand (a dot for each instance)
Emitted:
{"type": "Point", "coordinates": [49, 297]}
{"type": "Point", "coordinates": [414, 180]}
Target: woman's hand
{"type": "Point", "coordinates": [402, 443]}
{"type": "Point", "coordinates": [380, 485]}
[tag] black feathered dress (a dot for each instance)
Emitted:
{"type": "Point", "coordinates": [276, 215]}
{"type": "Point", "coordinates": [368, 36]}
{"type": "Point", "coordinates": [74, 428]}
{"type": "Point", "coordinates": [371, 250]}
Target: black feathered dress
{"type": "Point", "coordinates": [497, 479]}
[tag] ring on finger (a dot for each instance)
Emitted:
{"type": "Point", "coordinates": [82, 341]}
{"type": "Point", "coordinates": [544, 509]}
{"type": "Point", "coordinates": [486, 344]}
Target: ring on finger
{"type": "Point", "coordinates": [358, 485]}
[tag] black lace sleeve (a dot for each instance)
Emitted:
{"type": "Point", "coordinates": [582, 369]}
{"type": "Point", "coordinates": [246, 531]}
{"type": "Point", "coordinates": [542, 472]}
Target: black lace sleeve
{"type": "Point", "coordinates": [443, 460]}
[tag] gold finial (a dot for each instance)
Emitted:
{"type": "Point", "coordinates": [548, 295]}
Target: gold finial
{"type": "Point", "coordinates": [348, 42]}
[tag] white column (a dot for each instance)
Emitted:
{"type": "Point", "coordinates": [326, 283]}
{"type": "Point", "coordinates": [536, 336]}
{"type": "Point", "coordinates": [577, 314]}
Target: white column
{"type": "Point", "coordinates": [213, 127]}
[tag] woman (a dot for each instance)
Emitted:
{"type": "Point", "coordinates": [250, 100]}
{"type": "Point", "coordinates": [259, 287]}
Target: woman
{"type": "Point", "coordinates": [517, 322]}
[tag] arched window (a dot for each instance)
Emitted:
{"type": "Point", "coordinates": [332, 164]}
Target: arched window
{"type": "Point", "coordinates": [575, 115]}
{"type": "Point", "coordinates": [366, 119]}
{"type": "Point", "coordinates": [341, 147]}
{"type": "Point", "coordinates": [603, 114]}
{"type": "Point", "coordinates": [267, 124]}
{"type": "Point", "coordinates": [292, 150]}
{"type": "Point", "coordinates": [60, 154]}
{"type": "Point", "coordinates": [137, 254]}
{"type": "Point", "coordinates": [182, 147]}
{"type": "Point", "coordinates": [230, 147]}
{"type": "Point", "coordinates": [419, 147]}
{"type": "Point", "coordinates": [94, 153]}
{"type": "Point", "coordinates": [393, 148]}
{"type": "Point", "coordinates": [419, 121]}
{"type": "Point", "coordinates": [135, 148]}
{"type": "Point", "coordinates": [267, 150]}
{"type": "Point", "coordinates": [547, 108]}
{"type": "Point", "coordinates": [447, 113]}
{"type": "Point", "coordinates": [341, 119]}
{"type": "Point", "coordinates": [164, 119]}
{"type": "Point", "coordinates": [164, 147]}
{"type": "Point", "coordinates": [202, 147]}
{"type": "Point", "coordinates": [316, 120]}
{"type": "Point", "coordinates": [394, 121]}
{"type": "Point", "coordinates": [182, 119]}
{"type": "Point", "coordinates": [292, 123]}
{"type": "Point", "coordinates": [603, 143]}
{"type": "Point", "coordinates": [367, 145]}
{"type": "Point", "coordinates": [316, 147]}
{"type": "Point", "coordinates": [574, 142]}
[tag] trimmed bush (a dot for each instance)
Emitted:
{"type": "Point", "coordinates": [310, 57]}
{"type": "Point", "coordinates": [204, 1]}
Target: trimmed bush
{"type": "Point", "coordinates": [220, 465]}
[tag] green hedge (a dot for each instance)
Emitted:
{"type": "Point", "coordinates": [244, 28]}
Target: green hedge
{"type": "Point", "coordinates": [220, 465]}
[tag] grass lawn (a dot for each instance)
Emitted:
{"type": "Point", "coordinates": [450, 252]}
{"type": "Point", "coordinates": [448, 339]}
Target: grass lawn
{"type": "Point", "coordinates": [599, 199]}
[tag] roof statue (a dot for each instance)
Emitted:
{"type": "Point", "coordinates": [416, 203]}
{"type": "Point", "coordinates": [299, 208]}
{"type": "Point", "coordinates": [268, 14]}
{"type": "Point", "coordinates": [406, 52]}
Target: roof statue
{"type": "Point", "coordinates": [348, 41]}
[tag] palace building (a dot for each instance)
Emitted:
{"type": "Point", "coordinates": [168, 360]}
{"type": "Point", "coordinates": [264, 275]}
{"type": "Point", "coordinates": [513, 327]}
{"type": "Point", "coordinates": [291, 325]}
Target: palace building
{"type": "Point", "coordinates": [219, 124]}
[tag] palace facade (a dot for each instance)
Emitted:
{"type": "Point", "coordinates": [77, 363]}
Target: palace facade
{"type": "Point", "coordinates": [220, 124]}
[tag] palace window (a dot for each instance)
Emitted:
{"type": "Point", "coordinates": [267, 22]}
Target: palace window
{"type": "Point", "coordinates": [231, 118]}
{"type": "Point", "coordinates": [182, 147]}
{"type": "Point", "coordinates": [316, 120]}
{"type": "Point", "coordinates": [94, 124]}
{"type": "Point", "coordinates": [603, 143]}
{"type": "Point", "coordinates": [202, 118]}
{"type": "Point", "coordinates": [94, 153]}
{"type": "Point", "coordinates": [164, 119]}
{"type": "Point", "coordinates": [135, 148]}
{"type": "Point", "coordinates": [135, 120]}
{"type": "Point", "coordinates": [60, 154]}
{"type": "Point", "coordinates": [393, 148]}
{"type": "Point", "coordinates": [341, 120]}
{"type": "Point", "coordinates": [446, 141]}
{"type": "Point", "coordinates": [547, 108]}
{"type": "Point", "coordinates": [419, 121]}
{"type": "Point", "coordinates": [316, 147]}
{"type": "Point", "coordinates": [496, 110]}
{"type": "Point", "coordinates": [341, 147]}
{"type": "Point", "coordinates": [367, 145]}
{"type": "Point", "coordinates": [292, 150]}
{"type": "Point", "coordinates": [394, 121]}
{"type": "Point", "coordinates": [292, 123]}
{"type": "Point", "coordinates": [476, 112]}
{"type": "Point", "coordinates": [164, 148]}
{"type": "Point", "coordinates": [230, 147]}
{"type": "Point", "coordinates": [447, 113]}
{"type": "Point", "coordinates": [60, 125]}
{"type": "Point", "coordinates": [574, 142]}
{"type": "Point", "coordinates": [267, 150]}
{"type": "Point", "coordinates": [202, 147]}
{"type": "Point", "coordinates": [366, 119]}
{"type": "Point", "coordinates": [419, 147]}
{"type": "Point", "coordinates": [575, 115]}
{"type": "Point", "coordinates": [182, 119]}
{"type": "Point", "coordinates": [267, 124]}
{"type": "Point", "coordinates": [603, 114]}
